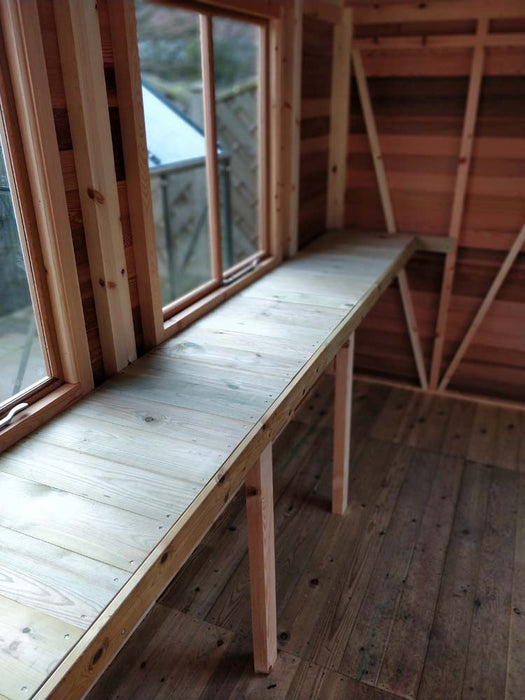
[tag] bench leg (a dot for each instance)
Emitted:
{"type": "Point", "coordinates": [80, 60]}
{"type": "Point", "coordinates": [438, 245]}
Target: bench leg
{"type": "Point", "coordinates": [344, 366]}
{"type": "Point", "coordinates": [261, 547]}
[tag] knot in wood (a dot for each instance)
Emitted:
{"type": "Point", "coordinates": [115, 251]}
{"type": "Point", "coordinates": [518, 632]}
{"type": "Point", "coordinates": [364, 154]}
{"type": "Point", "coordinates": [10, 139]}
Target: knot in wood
{"type": "Point", "coordinates": [96, 195]}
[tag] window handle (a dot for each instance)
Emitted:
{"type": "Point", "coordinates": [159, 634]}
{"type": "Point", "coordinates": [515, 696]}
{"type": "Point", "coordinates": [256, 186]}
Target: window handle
{"type": "Point", "coordinates": [12, 413]}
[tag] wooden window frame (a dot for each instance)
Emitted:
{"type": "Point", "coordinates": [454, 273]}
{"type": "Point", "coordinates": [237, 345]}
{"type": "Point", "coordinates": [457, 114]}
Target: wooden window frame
{"type": "Point", "coordinates": [33, 160]}
{"type": "Point", "coordinates": [161, 322]}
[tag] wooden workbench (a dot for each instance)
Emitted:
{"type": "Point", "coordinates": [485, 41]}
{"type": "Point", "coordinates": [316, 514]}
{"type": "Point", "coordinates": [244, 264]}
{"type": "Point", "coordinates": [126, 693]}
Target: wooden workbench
{"type": "Point", "coordinates": [101, 507]}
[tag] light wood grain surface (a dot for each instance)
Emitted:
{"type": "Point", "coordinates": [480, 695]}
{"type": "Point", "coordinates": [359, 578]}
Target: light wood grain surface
{"type": "Point", "coordinates": [144, 465]}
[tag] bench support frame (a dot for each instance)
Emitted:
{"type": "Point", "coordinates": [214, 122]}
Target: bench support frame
{"type": "Point", "coordinates": [261, 546]}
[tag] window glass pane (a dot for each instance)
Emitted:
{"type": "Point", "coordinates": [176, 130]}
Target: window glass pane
{"type": "Point", "coordinates": [236, 56]}
{"type": "Point", "coordinates": [170, 60]}
{"type": "Point", "coordinates": [21, 358]}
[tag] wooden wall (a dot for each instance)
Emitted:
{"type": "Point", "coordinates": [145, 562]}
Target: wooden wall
{"type": "Point", "coordinates": [315, 126]}
{"type": "Point", "coordinates": [419, 97]}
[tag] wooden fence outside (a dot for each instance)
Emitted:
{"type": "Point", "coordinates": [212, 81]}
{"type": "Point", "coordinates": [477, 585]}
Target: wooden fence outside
{"type": "Point", "coordinates": [181, 210]}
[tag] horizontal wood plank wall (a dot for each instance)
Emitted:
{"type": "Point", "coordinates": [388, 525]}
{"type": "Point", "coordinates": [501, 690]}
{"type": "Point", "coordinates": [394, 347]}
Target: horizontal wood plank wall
{"type": "Point", "coordinates": [315, 127]}
{"type": "Point", "coordinates": [51, 49]}
{"type": "Point", "coordinates": [418, 97]}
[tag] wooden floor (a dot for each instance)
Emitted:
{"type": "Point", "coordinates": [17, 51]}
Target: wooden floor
{"type": "Point", "coordinates": [417, 592]}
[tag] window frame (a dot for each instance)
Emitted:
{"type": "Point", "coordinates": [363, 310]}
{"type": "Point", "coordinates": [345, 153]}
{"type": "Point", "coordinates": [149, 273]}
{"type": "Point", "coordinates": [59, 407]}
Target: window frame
{"type": "Point", "coordinates": [164, 322]}
{"type": "Point", "coordinates": [33, 163]}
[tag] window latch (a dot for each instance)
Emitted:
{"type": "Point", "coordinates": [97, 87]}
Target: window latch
{"type": "Point", "coordinates": [4, 422]}
{"type": "Point", "coordinates": [237, 275]}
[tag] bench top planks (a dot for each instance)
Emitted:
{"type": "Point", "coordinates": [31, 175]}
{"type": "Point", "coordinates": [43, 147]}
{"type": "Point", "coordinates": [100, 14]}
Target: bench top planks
{"type": "Point", "coordinates": [127, 481]}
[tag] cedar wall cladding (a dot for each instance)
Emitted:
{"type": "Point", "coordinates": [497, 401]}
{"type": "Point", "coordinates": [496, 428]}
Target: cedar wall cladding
{"type": "Point", "coordinates": [418, 97]}
{"type": "Point", "coordinates": [315, 127]}
{"type": "Point", "coordinates": [51, 49]}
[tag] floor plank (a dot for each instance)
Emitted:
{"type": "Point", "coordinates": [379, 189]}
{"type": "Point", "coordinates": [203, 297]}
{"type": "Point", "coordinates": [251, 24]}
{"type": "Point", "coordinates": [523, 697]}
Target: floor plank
{"type": "Point", "coordinates": [483, 439]}
{"type": "Point", "coordinates": [319, 616]}
{"type": "Point", "coordinates": [435, 424]}
{"type": "Point", "coordinates": [508, 439]}
{"type": "Point", "coordinates": [404, 655]}
{"type": "Point", "coordinates": [394, 415]}
{"type": "Point", "coordinates": [314, 682]}
{"type": "Point", "coordinates": [445, 662]}
{"type": "Point", "coordinates": [515, 688]}
{"type": "Point", "coordinates": [167, 658]}
{"type": "Point", "coordinates": [459, 429]}
{"type": "Point", "coordinates": [367, 643]}
{"type": "Point", "coordinates": [485, 673]}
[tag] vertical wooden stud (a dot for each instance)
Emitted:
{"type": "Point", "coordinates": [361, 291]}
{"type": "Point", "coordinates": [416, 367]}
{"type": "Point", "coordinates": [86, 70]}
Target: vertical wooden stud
{"type": "Point", "coordinates": [344, 368]}
{"type": "Point", "coordinates": [275, 58]}
{"type": "Point", "coordinates": [129, 87]}
{"type": "Point", "coordinates": [291, 113]}
{"type": "Point", "coordinates": [339, 120]}
{"type": "Point", "coordinates": [261, 545]}
{"type": "Point", "coordinates": [83, 69]}
{"type": "Point", "coordinates": [263, 144]}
